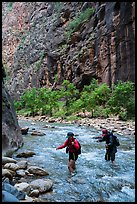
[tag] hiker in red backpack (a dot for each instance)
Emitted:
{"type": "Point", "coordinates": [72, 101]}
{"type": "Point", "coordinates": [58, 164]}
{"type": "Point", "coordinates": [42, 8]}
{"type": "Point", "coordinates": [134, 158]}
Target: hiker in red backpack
{"type": "Point", "coordinates": [72, 147]}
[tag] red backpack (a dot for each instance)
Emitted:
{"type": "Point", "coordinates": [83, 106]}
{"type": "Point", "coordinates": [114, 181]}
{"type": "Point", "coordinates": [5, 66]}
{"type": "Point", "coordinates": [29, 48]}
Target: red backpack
{"type": "Point", "coordinates": [78, 151]}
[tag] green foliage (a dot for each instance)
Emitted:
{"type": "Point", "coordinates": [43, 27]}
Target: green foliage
{"type": "Point", "coordinates": [69, 93]}
{"type": "Point", "coordinates": [72, 118]}
{"type": "Point", "coordinates": [94, 96]}
{"type": "Point", "coordinates": [122, 100]}
{"type": "Point", "coordinates": [18, 105]}
{"type": "Point", "coordinates": [61, 113]}
{"type": "Point", "coordinates": [100, 111]}
{"type": "Point", "coordinates": [92, 86]}
{"type": "Point", "coordinates": [77, 105]}
{"type": "Point", "coordinates": [97, 99]}
{"type": "Point", "coordinates": [101, 94]}
{"type": "Point", "coordinates": [24, 112]}
{"type": "Point", "coordinates": [10, 5]}
{"type": "Point", "coordinates": [74, 25]}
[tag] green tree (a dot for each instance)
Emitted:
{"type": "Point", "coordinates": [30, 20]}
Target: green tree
{"type": "Point", "coordinates": [28, 100]}
{"type": "Point", "coordinates": [47, 101]}
{"type": "Point", "coordinates": [69, 93]}
{"type": "Point", "coordinates": [122, 100]}
{"type": "Point", "coordinates": [101, 94]}
{"type": "Point", "coordinates": [94, 96]}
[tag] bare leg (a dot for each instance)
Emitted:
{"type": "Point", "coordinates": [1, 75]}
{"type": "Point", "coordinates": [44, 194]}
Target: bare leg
{"type": "Point", "coordinates": [71, 165]}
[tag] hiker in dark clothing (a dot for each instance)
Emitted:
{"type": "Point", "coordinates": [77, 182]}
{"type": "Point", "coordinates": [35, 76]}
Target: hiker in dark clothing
{"type": "Point", "coordinates": [72, 144]}
{"type": "Point", "coordinates": [111, 147]}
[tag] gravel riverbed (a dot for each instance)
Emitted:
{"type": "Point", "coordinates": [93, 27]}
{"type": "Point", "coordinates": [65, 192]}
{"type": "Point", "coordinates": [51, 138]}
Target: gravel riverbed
{"type": "Point", "coordinates": [112, 124]}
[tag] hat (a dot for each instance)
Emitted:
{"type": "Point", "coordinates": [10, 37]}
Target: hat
{"type": "Point", "coordinates": [104, 132]}
{"type": "Point", "coordinates": [69, 134]}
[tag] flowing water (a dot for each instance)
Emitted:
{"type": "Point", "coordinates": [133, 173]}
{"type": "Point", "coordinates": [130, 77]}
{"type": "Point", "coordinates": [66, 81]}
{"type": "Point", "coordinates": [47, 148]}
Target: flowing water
{"type": "Point", "coordinates": [96, 180]}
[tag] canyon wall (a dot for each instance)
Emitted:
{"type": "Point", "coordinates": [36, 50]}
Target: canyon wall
{"type": "Point", "coordinates": [36, 51]}
{"type": "Point", "coordinates": [11, 133]}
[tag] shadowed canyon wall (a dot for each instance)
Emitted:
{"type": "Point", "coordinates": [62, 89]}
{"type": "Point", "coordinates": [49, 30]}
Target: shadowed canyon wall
{"type": "Point", "coordinates": [11, 134]}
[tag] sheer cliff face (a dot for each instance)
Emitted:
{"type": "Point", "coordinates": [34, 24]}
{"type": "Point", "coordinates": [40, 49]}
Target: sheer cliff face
{"type": "Point", "coordinates": [11, 134]}
{"type": "Point", "coordinates": [37, 53]}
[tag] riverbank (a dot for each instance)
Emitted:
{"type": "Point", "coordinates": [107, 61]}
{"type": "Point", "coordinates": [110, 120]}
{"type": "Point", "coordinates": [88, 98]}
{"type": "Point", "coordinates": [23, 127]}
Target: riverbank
{"type": "Point", "coordinates": [118, 126]}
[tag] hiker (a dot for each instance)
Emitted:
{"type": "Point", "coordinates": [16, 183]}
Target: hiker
{"type": "Point", "coordinates": [111, 145]}
{"type": "Point", "coordinates": [104, 131]}
{"type": "Point", "coordinates": [72, 146]}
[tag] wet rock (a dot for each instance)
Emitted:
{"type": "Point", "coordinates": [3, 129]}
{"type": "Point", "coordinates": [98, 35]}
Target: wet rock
{"type": "Point", "coordinates": [8, 197]}
{"type": "Point", "coordinates": [8, 173]}
{"type": "Point", "coordinates": [34, 193]}
{"type": "Point", "coordinates": [13, 190]}
{"type": "Point", "coordinates": [26, 154]}
{"type": "Point", "coordinates": [51, 120]}
{"type": "Point", "coordinates": [8, 160]}
{"type": "Point", "coordinates": [37, 133]}
{"type": "Point", "coordinates": [27, 199]}
{"type": "Point", "coordinates": [11, 166]}
{"type": "Point", "coordinates": [25, 187]}
{"type": "Point", "coordinates": [43, 185]}
{"type": "Point", "coordinates": [22, 164]}
{"type": "Point", "coordinates": [37, 171]}
{"type": "Point", "coordinates": [24, 131]}
{"type": "Point", "coordinates": [20, 173]}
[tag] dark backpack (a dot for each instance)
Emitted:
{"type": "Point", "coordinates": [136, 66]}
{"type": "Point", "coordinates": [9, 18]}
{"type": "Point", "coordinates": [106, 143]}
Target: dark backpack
{"type": "Point", "coordinates": [116, 141]}
{"type": "Point", "coordinates": [79, 150]}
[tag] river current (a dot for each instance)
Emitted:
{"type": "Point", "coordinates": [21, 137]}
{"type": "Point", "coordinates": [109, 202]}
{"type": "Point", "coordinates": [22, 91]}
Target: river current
{"type": "Point", "coordinates": [96, 180]}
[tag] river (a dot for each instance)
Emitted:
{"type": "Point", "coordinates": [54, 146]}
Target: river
{"type": "Point", "coordinates": [96, 180]}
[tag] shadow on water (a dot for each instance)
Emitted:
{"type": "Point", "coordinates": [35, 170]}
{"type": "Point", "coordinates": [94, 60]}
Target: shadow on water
{"type": "Point", "coordinates": [96, 180]}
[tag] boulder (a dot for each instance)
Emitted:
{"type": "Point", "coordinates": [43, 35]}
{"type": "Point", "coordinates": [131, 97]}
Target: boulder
{"type": "Point", "coordinates": [43, 185]}
{"type": "Point", "coordinates": [24, 131]}
{"type": "Point", "coordinates": [8, 160]}
{"type": "Point", "coordinates": [37, 171]}
{"type": "Point", "coordinates": [26, 154]}
{"type": "Point", "coordinates": [14, 191]}
{"type": "Point", "coordinates": [8, 197]}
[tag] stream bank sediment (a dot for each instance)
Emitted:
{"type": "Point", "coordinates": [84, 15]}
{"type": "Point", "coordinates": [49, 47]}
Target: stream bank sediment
{"type": "Point", "coordinates": [113, 123]}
